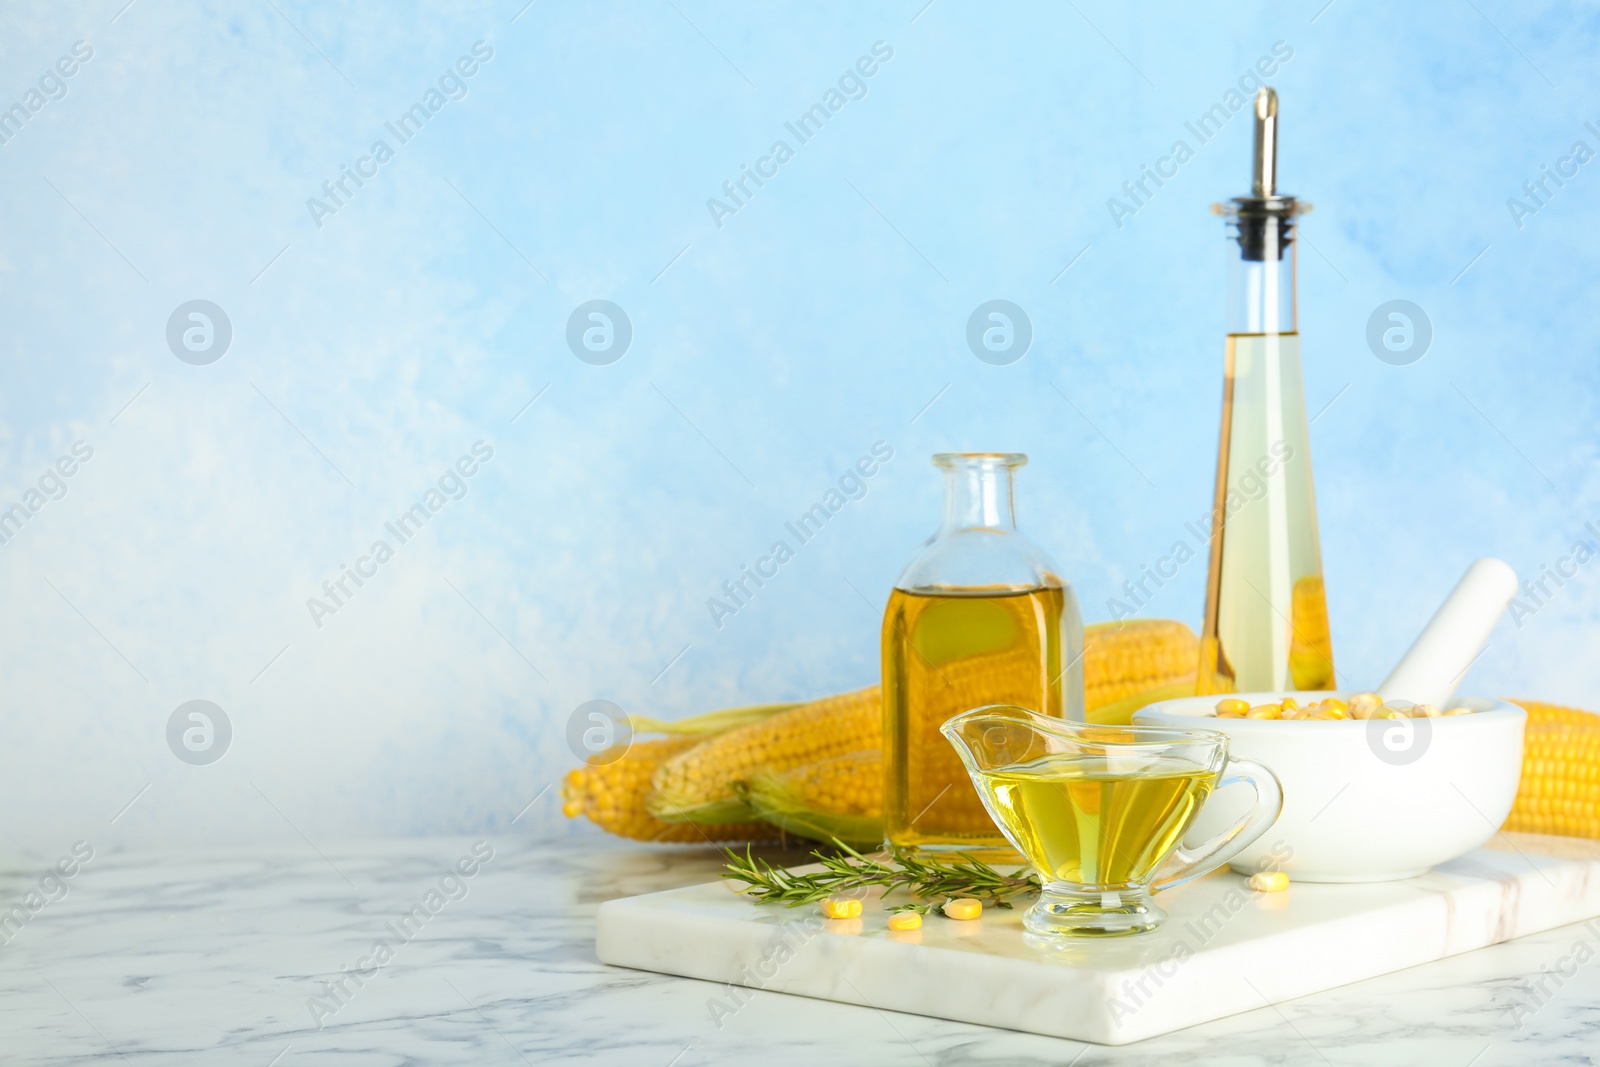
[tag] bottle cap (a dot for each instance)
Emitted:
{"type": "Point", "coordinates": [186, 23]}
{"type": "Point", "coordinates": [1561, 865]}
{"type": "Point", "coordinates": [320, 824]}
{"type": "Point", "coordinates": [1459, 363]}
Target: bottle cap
{"type": "Point", "coordinates": [1263, 218]}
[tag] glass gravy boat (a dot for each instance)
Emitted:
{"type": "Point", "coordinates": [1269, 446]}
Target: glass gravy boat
{"type": "Point", "coordinates": [1100, 811]}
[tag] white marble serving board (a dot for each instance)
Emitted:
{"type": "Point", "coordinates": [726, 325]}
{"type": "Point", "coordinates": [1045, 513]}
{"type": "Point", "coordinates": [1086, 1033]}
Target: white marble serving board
{"type": "Point", "coordinates": [1224, 949]}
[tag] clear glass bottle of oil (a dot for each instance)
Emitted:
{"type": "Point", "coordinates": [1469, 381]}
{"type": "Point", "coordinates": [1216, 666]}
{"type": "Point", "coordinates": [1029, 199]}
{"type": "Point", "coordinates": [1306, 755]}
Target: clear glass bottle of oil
{"type": "Point", "coordinates": [979, 617]}
{"type": "Point", "coordinates": [1266, 620]}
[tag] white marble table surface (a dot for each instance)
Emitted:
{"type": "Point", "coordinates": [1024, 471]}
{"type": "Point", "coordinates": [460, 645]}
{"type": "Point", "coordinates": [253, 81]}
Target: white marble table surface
{"type": "Point", "coordinates": [213, 956]}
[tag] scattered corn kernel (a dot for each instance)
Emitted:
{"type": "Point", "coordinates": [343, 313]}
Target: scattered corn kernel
{"type": "Point", "coordinates": [965, 908]}
{"type": "Point", "coordinates": [905, 920]}
{"type": "Point", "coordinates": [841, 909]}
{"type": "Point", "coordinates": [1232, 708]}
{"type": "Point", "coordinates": [1269, 881]}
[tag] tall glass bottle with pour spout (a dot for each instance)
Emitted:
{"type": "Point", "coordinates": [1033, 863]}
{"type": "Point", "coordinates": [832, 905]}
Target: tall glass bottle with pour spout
{"type": "Point", "coordinates": [1266, 620]}
{"type": "Point", "coordinates": [979, 617]}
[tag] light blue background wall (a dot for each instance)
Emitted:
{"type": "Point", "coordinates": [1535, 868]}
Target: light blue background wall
{"type": "Point", "coordinates": [769, 355]}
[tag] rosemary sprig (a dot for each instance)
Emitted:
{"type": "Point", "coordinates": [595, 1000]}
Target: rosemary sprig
{"type": "Point", "coordinates": [928, 879]}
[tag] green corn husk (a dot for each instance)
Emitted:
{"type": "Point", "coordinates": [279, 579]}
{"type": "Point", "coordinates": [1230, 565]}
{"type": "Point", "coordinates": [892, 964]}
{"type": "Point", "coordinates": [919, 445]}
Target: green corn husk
{"type": "Point", "coordinates": [697, 785]}
{"type": "Point", "coordinates": [709, 723]}
{"type": "Point", "coordinates": [710, 813]}
{"type": "Point", "coordinates": [776, 798]}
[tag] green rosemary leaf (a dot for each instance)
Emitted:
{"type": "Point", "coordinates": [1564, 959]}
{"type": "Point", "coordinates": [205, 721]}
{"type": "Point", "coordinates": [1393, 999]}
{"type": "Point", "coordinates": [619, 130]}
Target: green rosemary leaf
{"type": "Point", "coordinates": [925, 877]}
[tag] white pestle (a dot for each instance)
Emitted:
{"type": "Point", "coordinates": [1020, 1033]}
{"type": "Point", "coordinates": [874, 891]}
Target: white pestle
{"type": "Point", "coordinates": [1432, 668]}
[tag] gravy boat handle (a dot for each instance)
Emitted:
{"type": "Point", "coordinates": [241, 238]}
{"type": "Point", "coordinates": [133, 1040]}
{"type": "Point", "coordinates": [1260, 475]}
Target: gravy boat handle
{"type": "Point", "coordinates": [1192, 863]}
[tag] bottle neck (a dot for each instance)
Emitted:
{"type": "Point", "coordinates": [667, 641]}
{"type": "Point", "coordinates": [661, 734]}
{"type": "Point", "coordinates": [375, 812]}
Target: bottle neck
{"type": "Point", "coordinates": [977, 493]}
{"type": "Point", "coordinates": [1261, 296]}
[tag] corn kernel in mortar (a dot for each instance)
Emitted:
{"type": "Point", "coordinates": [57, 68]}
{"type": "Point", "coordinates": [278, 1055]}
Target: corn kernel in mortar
{"type": "Point", "coordinates": [1360, 706]}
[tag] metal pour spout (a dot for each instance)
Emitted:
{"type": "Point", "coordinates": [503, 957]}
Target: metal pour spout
{"type": "Point", "coordinates": [1264, 220]}
{"type": "Point", "coordinates": [1264, 176]}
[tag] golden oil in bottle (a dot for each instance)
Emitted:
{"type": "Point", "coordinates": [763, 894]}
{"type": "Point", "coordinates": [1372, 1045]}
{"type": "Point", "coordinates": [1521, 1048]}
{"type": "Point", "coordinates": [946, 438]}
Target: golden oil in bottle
{"type": "Point", "coordinates": [978, 617]}
{"type": "Point", "coordinates": [945, 653]}
{"type": "Point", "coordinates": [1266, 618]}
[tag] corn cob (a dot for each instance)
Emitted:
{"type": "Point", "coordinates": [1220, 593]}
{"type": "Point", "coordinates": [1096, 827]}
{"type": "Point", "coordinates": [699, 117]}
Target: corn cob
{"type": "Point", "coordinates": [710, 723]}
{"type": "Point", "coordinates": [611, 793]}
{"type": "Point", "coordinates": [839, 798]}
{"type": "Point", "coordinates": [1124, 659]}
{"type": "Point", "coordinates": [1560, 788]}
{"type": "Point", "coordinates": [1120, 660]}
{"type": "Point", "coordinates": [698, 785]}
{"type": "Point", "coordinates": [610, 788]}
{"type": "Point", "coordinates": [1540, 713]}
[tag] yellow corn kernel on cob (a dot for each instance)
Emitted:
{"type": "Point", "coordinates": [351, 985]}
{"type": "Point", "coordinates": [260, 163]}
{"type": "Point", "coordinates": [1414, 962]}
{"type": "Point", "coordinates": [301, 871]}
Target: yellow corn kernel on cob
{"type": "Point", "coordinates": [832, 799]}
{"type": "Point", "coordinates": [611, 791]}
{"type": "Point", "coordinates": [698, 784]}
{"type": "Point", "coordinates": [1125, 659]}
{"type": "Point", "coordinates": [1560, 788]}
{"type": "Point", "coordinates": [1130, 664]}
{"type": "Point", "coordinates": [612, 795]}
{"type": "Point", "coordinates": [1121, 661]}
{"type": "Point", "coordinates": [1540, 713]}
{"type": "Point", "coordinates": [938, 791]}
